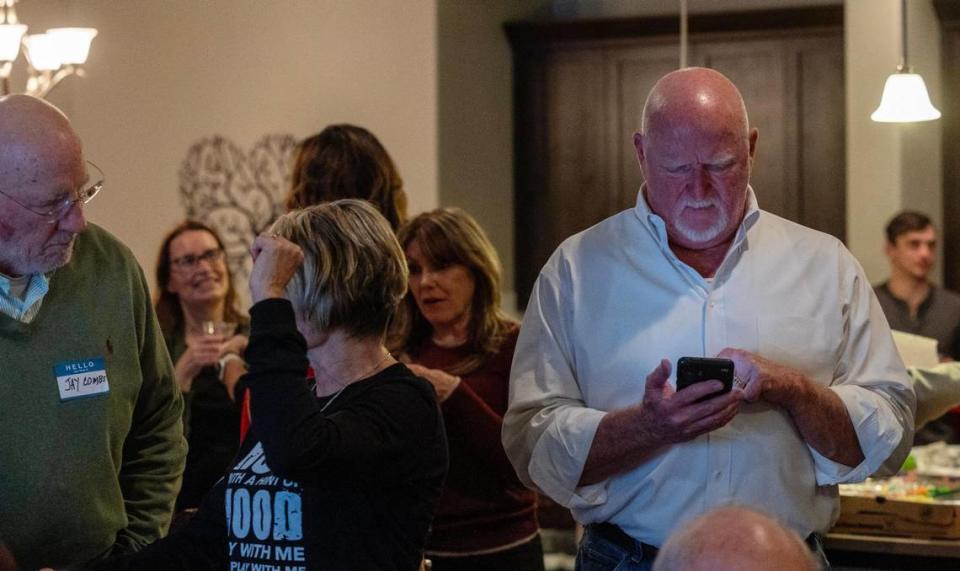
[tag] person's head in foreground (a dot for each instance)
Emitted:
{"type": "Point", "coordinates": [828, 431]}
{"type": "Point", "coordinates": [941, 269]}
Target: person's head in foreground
{"type": "Point", "coordinates": [734, 538]}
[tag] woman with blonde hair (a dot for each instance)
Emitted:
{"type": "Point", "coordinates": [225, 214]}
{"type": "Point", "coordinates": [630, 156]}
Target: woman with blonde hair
{"type": "Point", "coordinates": [454, 334]}
{"type": "Point", "coordinates": [340, 473]}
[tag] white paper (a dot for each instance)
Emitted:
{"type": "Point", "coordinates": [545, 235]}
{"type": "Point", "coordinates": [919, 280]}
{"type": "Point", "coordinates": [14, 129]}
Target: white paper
{"type": "Point", "coordinates": [916, 350]}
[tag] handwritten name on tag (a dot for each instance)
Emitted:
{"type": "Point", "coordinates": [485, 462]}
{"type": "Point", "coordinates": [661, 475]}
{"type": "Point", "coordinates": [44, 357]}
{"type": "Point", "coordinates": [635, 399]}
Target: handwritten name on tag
{"type": "Point", "coordinates": [83, 378]}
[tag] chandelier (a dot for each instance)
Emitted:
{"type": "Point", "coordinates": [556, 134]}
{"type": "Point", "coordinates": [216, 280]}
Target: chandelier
{"type": "Point", "coordinates": [51, 57]}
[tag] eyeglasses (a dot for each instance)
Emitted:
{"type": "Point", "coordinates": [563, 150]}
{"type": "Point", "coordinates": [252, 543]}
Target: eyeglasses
{"type": "Point", "coordinates": [191, 261]}
{"type": "Point", "coordinates": [61, 207]}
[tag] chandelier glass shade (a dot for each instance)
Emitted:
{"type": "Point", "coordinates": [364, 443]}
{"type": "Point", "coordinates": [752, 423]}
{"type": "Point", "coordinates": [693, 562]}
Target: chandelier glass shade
{"type": "Point", "coordinates": [50, 57]}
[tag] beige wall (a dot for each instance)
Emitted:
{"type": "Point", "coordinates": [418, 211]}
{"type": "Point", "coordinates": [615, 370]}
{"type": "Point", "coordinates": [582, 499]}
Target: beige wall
{"type": "Point", "coordinates": [163, 75]}
{"type": "Point", "coordinates": [889, 166]}
{"type": "Point", "coordinates": [475, 111]}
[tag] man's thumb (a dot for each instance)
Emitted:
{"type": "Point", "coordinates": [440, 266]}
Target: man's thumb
{"type": "Point", "coordinates": [656, 381]}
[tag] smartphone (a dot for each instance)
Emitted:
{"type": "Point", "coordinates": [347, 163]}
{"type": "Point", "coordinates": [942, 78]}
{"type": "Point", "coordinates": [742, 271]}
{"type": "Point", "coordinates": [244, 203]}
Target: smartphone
{"type": "Point", "coordinates": [692, 370]}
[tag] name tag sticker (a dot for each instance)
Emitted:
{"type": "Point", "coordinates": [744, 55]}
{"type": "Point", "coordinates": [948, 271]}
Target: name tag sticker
{"type": "Point", "coordinates": [83, 378]}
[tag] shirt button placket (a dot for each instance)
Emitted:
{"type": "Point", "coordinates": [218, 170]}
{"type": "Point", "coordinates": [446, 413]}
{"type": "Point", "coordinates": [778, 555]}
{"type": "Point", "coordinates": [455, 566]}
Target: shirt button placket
{"type": "Point", "coordinates": [718, 447]}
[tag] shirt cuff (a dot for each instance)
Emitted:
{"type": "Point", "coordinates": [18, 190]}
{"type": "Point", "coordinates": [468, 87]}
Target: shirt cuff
{"type": "Point", "coordinates": [222, 363]}
{"type": "Point", "coordinates": [271, 312]}
{"type": "Point", "coordinates": [877, 431]}
{"type": "Point", "coordinates": [558, 458]}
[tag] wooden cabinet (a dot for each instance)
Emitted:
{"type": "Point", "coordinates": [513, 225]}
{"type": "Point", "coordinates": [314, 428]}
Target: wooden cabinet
{"type": "Point", "coordinates": [949, 14]}
{"type": "Point", "coordinates": [579, 94]}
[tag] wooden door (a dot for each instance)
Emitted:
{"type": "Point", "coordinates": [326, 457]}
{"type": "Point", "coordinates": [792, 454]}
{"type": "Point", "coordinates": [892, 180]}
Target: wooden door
{"type": "Point", "coordinates": [793, 91]}
{"type": "Point", "coordinates": [580, 95]}
{"type": "Point", "coordinates": [561, 154]}
{"type": "Point", "coordinates": [949, 13]}
{"type": "Point", "coordinates": [631, 73]}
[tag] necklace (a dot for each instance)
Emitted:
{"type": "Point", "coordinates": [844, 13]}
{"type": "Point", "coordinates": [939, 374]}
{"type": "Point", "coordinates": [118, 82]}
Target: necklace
{"type": "Point", "coordinates": [448, 343]}
{"type": "Point", "coordinates": [365, 374]}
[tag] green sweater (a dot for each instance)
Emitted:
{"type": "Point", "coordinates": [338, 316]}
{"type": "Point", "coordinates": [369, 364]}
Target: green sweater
{"type": "Point", "coordinates": [81, 478]}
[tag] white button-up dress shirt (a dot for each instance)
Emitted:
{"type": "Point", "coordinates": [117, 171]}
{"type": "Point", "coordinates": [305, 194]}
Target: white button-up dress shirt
{"type": "Point", "coordinates": [614, 300]}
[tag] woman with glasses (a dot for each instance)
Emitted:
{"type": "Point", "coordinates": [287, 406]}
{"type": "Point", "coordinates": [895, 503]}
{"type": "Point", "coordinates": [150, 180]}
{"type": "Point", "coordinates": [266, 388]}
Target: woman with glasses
{"type": "Point", "coordinates": [206, 338]}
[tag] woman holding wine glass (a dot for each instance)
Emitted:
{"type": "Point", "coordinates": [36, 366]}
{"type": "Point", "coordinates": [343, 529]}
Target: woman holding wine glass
{"type": "Point", "coordinates": [206, 337]}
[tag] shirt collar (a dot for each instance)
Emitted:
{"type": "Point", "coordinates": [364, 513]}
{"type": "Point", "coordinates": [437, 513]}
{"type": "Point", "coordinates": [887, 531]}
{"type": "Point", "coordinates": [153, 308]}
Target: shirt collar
{"type": "Point", "coordinates": [659, 229]}
{"type": "Point", "coordinates": [6, 282]}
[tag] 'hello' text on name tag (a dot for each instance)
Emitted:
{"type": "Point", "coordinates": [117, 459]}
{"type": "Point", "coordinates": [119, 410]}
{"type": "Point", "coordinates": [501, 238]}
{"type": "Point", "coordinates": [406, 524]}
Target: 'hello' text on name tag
{"type": "Point", "coordinates": [82, 378]}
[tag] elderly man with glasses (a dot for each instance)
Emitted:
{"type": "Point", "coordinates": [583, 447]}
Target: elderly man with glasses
{"type": "Point", "coordinates": [91, 440]}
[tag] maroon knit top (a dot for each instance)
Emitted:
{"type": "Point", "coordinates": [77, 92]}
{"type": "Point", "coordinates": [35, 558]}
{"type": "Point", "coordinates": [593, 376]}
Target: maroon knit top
{"type": "Point", "coordinates": [483, 505]}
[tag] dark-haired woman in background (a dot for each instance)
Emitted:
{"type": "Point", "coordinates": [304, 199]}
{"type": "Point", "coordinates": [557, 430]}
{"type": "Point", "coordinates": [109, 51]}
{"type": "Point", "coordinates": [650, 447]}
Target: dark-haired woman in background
{"type": "Point", "coordinates": [454, 335]}
{"type": "Point", "coordinates": [206, 337]}
{"type": "Point", "coordinates": [346, 161]}
{"type": "Point", "coordinates": [343, 162]}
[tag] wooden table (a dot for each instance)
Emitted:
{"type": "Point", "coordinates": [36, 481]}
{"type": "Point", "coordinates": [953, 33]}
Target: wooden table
{"type": "Point", "coordinates": [887, 552]}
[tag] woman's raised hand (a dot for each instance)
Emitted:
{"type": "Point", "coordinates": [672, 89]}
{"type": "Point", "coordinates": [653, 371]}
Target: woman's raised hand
{"type": "Point", "coordinates": [275, 261]}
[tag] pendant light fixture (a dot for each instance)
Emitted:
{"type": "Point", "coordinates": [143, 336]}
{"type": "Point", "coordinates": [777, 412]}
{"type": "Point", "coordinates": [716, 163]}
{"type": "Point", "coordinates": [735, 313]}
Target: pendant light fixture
{"type": "Point", "coordinates": [905, 98]}
{"type": "Point", "coordinates": [684, 34]}
{"type": "Point", "coordinates": [51, 57]}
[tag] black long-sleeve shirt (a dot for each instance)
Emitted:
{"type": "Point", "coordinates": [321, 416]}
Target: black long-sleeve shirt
{"type": "Point", "coordinates": [343, 482]}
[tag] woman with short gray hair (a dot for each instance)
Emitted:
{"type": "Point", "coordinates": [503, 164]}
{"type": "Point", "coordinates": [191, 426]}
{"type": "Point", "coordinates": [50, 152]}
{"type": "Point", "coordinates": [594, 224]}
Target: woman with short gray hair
{"type": "Point", "coordinates": [354, 274]}
{"type": "Point", "coordinates": [340, 472]}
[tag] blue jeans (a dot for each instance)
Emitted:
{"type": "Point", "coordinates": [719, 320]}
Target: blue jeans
{"type": "Point", "coordinates": [815, 543]}
{"type": "Point", "coordinates": [596, 553]}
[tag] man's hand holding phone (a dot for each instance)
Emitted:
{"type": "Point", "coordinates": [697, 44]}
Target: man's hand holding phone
{"type": "Point", "coordinates": [764, 379]}
{"type": "Point", "coordinates": [670, 417]}
{"type": "Point", "coordinates": [692, 370]}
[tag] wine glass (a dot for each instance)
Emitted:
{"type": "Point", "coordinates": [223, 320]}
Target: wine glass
{"type": "Point", "coordinates": [222, 328]}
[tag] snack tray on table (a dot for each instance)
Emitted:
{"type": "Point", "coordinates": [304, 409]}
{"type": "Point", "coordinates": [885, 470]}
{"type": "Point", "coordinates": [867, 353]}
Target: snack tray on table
{"type": "Point", "coordinates": [924, 501]}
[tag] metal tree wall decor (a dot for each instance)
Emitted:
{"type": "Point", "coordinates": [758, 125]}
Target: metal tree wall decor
{"type": "Point", "coordinates": [236, 192]}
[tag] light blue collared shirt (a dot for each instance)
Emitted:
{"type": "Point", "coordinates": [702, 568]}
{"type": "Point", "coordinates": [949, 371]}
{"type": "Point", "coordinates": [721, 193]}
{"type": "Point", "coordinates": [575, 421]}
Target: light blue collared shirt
{"type": "Point", "coordinates": [23, 306]}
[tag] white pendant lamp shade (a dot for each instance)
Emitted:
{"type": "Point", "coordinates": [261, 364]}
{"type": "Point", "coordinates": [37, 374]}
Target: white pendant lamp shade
{"type": "Point", "coordinates": [10, 36]}
{"type": "Point", "coordinates": [905, 99]}
{"type": "Point", "coordinates": [72, 44]}
{"type": "Point", "coordinates": [42, 52]}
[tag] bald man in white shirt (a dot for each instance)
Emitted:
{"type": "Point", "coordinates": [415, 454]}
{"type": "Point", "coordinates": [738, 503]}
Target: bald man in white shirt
{"type": "Point", "coordinates": [697, 269]}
